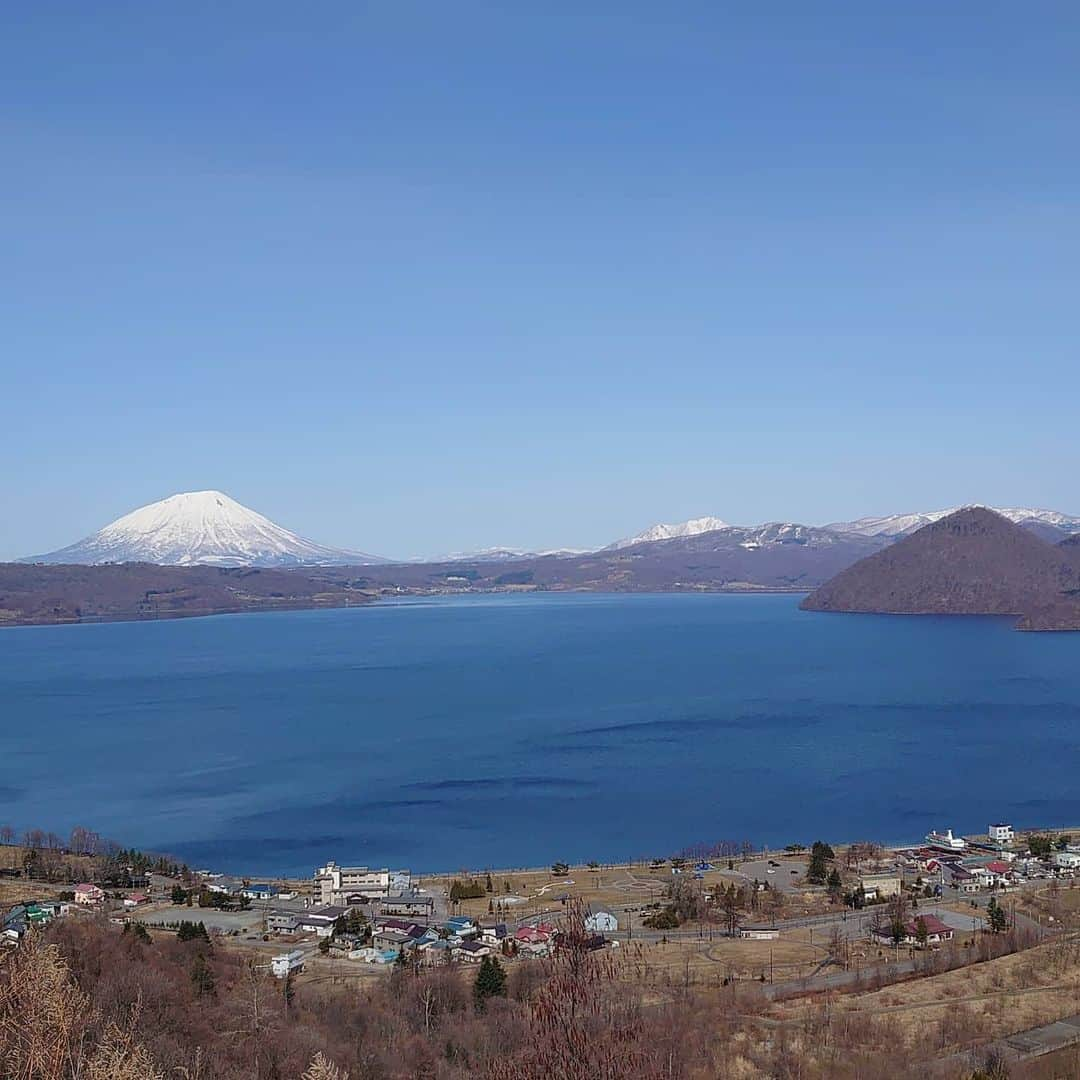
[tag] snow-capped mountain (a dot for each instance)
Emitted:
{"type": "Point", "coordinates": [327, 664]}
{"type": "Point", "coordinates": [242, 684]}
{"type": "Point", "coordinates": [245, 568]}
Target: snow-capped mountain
{"type": "Point", "coordinates": [900, 525]}
{"type": "Point", "coordinates": [693, 527]}
{"type": "Point", "coordinates": [200, 528]}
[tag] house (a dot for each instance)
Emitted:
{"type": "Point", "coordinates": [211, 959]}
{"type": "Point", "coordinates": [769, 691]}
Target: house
{"type": "Point", "coordinates": [406, 926]}
{"type": "Point", "coordinates": [880, 886]}
{"type": "Point", "coordinates": [461, 925]}
{"type": "Point", "coordinates": [136, 899]}
{"type": "Point", "coordinates": [1066, 860]}
{"type": "Point", "coordinates": [390, 939]}
{"type": "Point", "coordinates": [493, 935]}
{"type": "Point", "coordinates": [601, 922]}
{"type": "Point", "coordinates": [346, 942]}
{"type": "Point", "coordinates": [1001, 834]}
{"type": "Point", "coordinates": [282, 922]}
{"type": "Point", "coordinates": [287, 963]}
{"type": "Point", "coordinates": [759, 933]}
{"type": "Point", "coordinates": [259, 892]}
{"type": "Point", "coordinates": [321, 920]}
{"type": "Point", "coordinates": [88, 894]}
{"type": "Point", "coordinates": [227, 886]}
{"type": "Point", "coordinates": [531, 935]}
{"type": "Point", "coordinates": [959, 877]}
{"type": "Point", "coordinates": [936, 932]}
{"type": "Point", "coordinates": [409, 903]}
{"type": "Point", "coordinates": [473, 951]}
{"type": "Point", "coordinates": [437, 952]}
{"type": "Point", "coordinates": [334, 883]}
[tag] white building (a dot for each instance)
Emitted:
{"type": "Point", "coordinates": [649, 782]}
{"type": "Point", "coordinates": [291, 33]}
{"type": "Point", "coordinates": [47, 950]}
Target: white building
{"type": "Point", "coordinates": [287, 963]}
{"type": "Point", "coordinates": [335, 884]}
{"type": "Point", "coordinates": [1001, 834]}
{"type": "Point", "coordinates": [601, 922]}
{"type": "Point", "coordinates": [1066, 860]}
{"type": "Point", "coordinates": [759, 933]}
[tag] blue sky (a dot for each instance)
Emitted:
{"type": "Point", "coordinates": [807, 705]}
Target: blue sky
{"type": "Point", "coordinates": [417, 278]}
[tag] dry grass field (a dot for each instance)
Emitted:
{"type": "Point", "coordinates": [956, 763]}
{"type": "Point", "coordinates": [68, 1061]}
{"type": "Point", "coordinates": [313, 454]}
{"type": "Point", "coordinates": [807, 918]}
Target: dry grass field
{"type": "Point", "coordinates": [995, 998]}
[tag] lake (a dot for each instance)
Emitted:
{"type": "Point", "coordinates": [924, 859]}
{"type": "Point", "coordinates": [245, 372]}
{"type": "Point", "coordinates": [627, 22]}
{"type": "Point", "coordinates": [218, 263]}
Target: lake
{"type": "Point", "coordinates": [515, 730]}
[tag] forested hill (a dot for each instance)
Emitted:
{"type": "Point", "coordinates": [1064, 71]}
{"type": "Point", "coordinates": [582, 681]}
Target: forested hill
{"type": "Point", "coordinates": [973, 562]}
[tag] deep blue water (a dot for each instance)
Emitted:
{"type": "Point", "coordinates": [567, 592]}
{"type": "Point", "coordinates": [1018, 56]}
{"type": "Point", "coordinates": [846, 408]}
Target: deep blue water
{"type": "Point", "coordinates": [514, 730]}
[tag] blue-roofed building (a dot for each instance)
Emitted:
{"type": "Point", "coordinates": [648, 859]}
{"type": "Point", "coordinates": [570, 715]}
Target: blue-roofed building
{"type": "Point", "coordinates": [259, 892]}
{"type": "Point", "coordinates": [461, 925]}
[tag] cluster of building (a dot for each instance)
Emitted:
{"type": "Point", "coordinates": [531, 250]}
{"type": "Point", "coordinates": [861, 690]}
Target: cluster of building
{"type": "Point", "coordinates": [33, 913]}
{"type": "Point", "coordinates": [400, 921]}
{"type": "Point", "coordinates": [976, 865]}
{"type": "Point", "coordinates": [458, 938]}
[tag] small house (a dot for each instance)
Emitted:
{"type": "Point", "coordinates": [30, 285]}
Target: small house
{"type": "Point", "coordinates": [409, 904]}
{"type": "Point", "coordinates": [493, 935]}
{"type": "Point", "coordinates": [88, 894]}
{"type": "Point", "coordinates": [287, 963]}
{"type": "Point", "coordinates": [282, 922]}
{"type": "Point", "coordinates": [259, 892]}
{"type": "Point", "coordinates": [472, 951]}
{"type": "Point", "coordinates": [935, 930]}
{"type": "Point", "coordinates": [759, 933]}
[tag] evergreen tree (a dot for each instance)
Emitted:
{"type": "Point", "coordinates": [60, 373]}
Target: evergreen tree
{"type": "Point", "coordinates": [835, 884]}
{"type": "Point", "coordinates": [490, 981]}
{"type": "Point", "coordinates": [489, 885]}
{"type": "Point", "coordinates": [202, 977]}
{"type": "Point", "coordinates": [178, 895]}
{"type": "Point", "coordinates": [818, 870]}
{"type": "Point", "coordinates": [922, 935]}
{"type": "Point", "coordinates": [995, 915]}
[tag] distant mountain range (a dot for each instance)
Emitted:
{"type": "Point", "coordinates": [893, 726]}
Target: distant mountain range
{"type": "Point", "coordinates": [199, 528]}
{"type": "Point", "coordinates": [961, 562]}
{"type": "Point", "coordinates": [1047, 523]}
{"type": "Point", "coordinates": [974, 561]}
{"type": "Point", "coordinates": [208, 528]}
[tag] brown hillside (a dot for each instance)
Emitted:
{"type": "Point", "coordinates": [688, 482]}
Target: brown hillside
{"type": "Point", "coordinates": [34, 593]}
{"type": "Point", "coordinates": [973, 562]}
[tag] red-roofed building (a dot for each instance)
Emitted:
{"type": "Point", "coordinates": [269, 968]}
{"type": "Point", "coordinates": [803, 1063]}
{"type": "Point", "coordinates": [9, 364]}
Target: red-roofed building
{"type": "Point", "coordinates": [532, 935]}
{"type": "Point", "coordinates": [936, 931]}
{"type": "Point", "coordinates": [88, 894]}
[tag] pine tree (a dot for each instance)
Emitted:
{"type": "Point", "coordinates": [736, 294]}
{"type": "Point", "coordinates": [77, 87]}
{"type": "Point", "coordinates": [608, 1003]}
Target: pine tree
{"type": "Point", "coordinates": [995, 915]}
{"type": "Point", "coordinates": [202, 978]}
{"type": "Point", "coordinates": [836, 885]}
{"type": "Point", "coordinates": [490, 981]}
{"type": "Point", "coordinates": [922, 935]}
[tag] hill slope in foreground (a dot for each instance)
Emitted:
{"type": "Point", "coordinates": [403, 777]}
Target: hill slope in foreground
{"type": "Point", "coordinates": [973, 562]}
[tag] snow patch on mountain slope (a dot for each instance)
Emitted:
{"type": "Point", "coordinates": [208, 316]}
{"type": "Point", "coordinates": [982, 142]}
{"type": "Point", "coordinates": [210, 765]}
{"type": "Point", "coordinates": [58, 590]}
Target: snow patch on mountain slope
{"type": "Point", "coordinates": [898, 525]}
{"type": "Point", "coordinates": [200, 528]}
{"type": "Point", "coordinates": [693, 527]}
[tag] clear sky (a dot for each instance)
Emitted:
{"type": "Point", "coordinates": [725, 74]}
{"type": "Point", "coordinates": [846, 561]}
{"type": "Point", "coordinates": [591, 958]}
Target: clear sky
{"type": "Point", "coordinates": [416, 278]}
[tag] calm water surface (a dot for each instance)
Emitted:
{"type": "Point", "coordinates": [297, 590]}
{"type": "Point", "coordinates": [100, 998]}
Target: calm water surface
{"type": "Point", "coordinates": [515, 730]}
